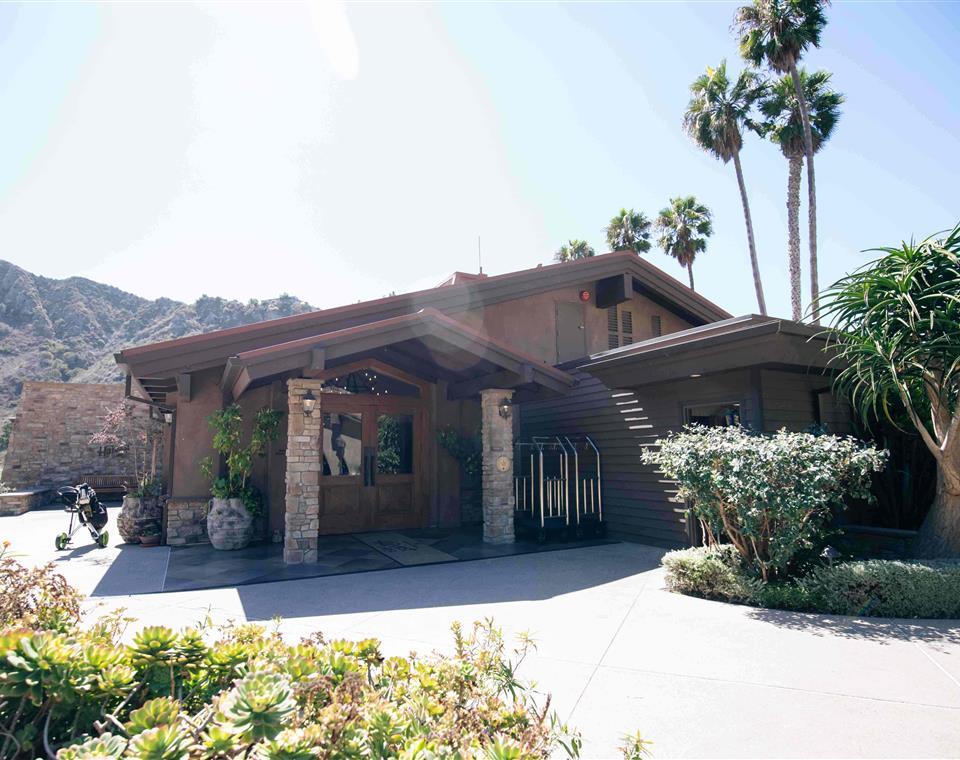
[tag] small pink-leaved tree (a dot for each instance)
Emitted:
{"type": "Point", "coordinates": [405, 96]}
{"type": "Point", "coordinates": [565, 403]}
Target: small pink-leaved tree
{"type": "Point", "coordinates": [136, 440]}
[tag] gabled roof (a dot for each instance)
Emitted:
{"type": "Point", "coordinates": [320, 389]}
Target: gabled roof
{"type": "Point", "coordinates": [426, 344]}
{"type": "Point", "coordinates": [214, 348]}
{"type": "Point", "coordinates": [737, 343]}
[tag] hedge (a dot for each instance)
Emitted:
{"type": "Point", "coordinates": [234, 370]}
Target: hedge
{"type": "Point", "coordinates": [878, 588]}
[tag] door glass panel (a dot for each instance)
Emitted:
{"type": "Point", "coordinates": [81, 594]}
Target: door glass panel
{"type": "Point", "coordinates": [342, 443]}
{"type": "Point", "coordinates": [395, 444]}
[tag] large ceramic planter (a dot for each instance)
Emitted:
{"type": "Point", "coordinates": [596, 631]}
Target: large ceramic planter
{"type": "Point", "coordinates": [229, 524]}
{"type": "Point", "coordinates": [136, 514]}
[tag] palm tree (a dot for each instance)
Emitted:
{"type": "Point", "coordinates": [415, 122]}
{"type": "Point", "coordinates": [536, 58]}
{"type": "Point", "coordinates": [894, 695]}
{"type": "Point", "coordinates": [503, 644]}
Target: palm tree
{"type": "Point", "coordinates": [785, 127]}
{"type": "Point", "coordinates": [629, 230]}
{"type": "Point", "coordinates": [573, 250]}
{"type": "Point", "coordinates": [717, 111]}
{"type": "Point", "coordinates": [684, 227]}
{"type": "Point", "coordinates": [776, 33]}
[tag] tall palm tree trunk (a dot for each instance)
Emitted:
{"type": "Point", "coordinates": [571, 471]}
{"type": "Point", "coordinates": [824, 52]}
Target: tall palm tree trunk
{"type": "Point", "coordinates": [793, 228]}
{"type": "Point", "coordinates": [811, 194]}
{"type": "Point", "coordinates": [754, 263]}
{"type": "Point", "coordinates": [690, 272]}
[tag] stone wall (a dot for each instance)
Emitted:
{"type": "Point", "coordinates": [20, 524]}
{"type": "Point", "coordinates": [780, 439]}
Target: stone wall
{"type": "Point", "coordinates": [302, 520]}
{"type": "Point", "coordinates": [186, 521]}
{"type": "Point", "coordinates": [498, 498]}
{"type": "Point", "coordinates": [49, 439]}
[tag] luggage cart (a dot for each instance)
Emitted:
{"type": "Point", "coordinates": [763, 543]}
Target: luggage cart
{"type": "Point", "coordinates": [557, 487]}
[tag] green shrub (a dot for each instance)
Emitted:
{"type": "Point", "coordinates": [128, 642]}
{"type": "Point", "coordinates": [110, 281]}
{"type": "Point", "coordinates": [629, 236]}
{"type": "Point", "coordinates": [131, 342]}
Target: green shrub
{"type": "Point", "coordinates": [711, 572]}
{"type": "Point", "coordinates": [35, 597]}
{"type": "Point", "coordinates": [886, 588]}
{"type": "Point", "coordinates": [771, 496]}
{"type": "Point", "coordinates": [83, 694]}
{"type": "Point", "coordinates": [878, 588]}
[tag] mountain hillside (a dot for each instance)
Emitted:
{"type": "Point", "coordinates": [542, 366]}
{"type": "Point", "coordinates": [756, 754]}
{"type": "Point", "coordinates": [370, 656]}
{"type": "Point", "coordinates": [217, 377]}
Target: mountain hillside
{"type": "Point", "coordinates": [68, 330]}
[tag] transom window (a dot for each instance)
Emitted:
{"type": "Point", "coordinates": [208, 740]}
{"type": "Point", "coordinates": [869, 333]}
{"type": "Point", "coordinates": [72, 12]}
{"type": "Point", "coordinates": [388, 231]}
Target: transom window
{"type": "Point", "coordinates": [369, 382]}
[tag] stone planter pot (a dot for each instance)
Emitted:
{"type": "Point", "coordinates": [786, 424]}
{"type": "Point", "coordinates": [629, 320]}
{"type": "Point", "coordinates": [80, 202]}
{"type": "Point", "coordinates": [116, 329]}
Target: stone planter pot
{"type": "Point", "coordinates": [229, 524]}
{"type": "Point", "coordinates": [136, 514]}
{"type": "Point", "coordinates": [152, 540]}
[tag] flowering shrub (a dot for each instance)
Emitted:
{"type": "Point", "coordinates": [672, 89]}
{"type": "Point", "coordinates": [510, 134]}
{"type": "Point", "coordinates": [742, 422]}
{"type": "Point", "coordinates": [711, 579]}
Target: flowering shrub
{"type": "Point", "coordinates": [248, 694]}
{"type": "Point", "coordinates": [771, 496]}
{"type": "Point", "coordinates": [37, 597]}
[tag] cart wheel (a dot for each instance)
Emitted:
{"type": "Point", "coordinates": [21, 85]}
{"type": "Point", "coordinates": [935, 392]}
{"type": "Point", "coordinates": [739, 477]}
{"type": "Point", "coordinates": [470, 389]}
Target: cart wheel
{"type": "Point", "coordinates": [61, 542]}
{"type": "Point", "coordinates": [103, 539]}
{"type": "Point", "coordinates": [541, 536]}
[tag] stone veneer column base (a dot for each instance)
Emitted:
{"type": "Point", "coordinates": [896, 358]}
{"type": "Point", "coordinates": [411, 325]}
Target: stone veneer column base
{"type": "Point", "coordinates": [498, 498]}
{"type": "Point", "coordinates": [302, 516]}
{"type": "Point", "coordinates": [186, 520]}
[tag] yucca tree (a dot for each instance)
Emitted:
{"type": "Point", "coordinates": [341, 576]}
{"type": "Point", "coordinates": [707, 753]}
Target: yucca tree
{"type": "Point", "coordinates": [784, 125]}
{"type": "Point", "coordinates": [897, 326]}
{"type": "Point", "coordinates": [718, 111]}
{"type": "Point", "coordinates": [776, 33]}
{"type": "Point", "coordinates": [683, 228]}
{"type": "Point", "coordinates": [573, 250]}
{"type": "Point", "coordinates": [629, 230]}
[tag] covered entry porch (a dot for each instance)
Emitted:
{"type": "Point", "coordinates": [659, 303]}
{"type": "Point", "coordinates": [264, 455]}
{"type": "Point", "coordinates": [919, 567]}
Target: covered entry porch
{"type": "Point", "coordinates": [363, 408]}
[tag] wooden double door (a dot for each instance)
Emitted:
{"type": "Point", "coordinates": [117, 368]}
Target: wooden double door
{"type": "Point", "coordinates": [373, 456]}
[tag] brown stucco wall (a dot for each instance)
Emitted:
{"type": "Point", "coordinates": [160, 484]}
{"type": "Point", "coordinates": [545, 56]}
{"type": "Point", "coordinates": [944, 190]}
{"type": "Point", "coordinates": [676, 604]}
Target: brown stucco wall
{"type": "Point", "coordinates": [50, 437]}
{"type": "Point", "coordinates": [193, 438]}
{"type": "Point", "coordinates": [530, 324]}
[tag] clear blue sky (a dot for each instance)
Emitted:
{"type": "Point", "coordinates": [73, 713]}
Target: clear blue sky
{"type": "Point", "coordinates": [339, 152]}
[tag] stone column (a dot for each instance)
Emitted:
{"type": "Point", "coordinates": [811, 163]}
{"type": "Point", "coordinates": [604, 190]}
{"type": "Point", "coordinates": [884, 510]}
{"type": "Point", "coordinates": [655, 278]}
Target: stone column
{"type": "Point", "coordinates": [302, 517]}
{"type": "Point", "coordinates": [498, 499]}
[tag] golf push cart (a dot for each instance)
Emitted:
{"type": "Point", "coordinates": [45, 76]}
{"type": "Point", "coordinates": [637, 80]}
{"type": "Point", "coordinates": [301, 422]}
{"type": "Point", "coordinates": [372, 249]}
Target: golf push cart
{"type": "Point", "coordinates": [84, 507]}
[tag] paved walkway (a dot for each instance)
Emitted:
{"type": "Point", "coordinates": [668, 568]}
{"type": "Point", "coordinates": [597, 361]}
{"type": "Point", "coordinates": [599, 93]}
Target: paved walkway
{"type": "Point", "coordinates": [618, 653]}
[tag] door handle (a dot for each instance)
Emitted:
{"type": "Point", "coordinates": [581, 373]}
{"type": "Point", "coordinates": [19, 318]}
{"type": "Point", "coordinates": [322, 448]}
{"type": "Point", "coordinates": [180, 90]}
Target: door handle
{"type": "Point", "coordinates": [369, 466]}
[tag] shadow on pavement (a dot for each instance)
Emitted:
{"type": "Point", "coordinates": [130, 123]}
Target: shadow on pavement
{"type": "Point", "coordinates": [883, 630]}
{"type": "Point", "coordinates": [507, 579]}
{"type": "Point", "coordinates": [133, 570]}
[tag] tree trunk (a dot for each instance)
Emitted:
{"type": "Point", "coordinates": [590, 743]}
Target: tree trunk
{"type": "Point", "coordinates": [811, 194]}
{"type": "Point", "coordinates": [793, 228]}
{"type": "Point", "coordinates": [690, 272]}
{"type": "Point", "coordinates": [757, 283]}
{"type": "Point", "coordinates": [939, 536]}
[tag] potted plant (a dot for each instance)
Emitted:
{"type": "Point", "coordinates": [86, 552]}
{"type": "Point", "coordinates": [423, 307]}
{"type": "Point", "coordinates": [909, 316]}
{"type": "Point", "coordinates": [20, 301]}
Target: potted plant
{"type": "Point", "coordinates": [235, 501]}
{"type": "Point", "coordinates": [135, 439]}
{"type": "Point", "coordinates": [150, 534]}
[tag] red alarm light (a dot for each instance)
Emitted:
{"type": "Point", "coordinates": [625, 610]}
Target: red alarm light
{"type": "Point", "coordinates": [584, 295]}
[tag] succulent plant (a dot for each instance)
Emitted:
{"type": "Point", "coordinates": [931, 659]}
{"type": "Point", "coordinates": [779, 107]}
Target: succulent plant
{"type": "Point", "coordinates": [162, 711]}
{"type": "Point", "coordinates": [258, 706]}
{"type": "Point", "coordinates": [161, 743]}
{"type": "Point", "coordinates": [101, 747]}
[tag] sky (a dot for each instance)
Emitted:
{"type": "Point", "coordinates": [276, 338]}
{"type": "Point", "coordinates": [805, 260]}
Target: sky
{"type": "Point", "coordinates": [340, 152]}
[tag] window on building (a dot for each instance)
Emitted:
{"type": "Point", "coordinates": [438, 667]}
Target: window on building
{"type": "Point", "coordinates": [619, 327]}
{"type": "Point", "coordinates": [713, 415]}
{"type": "Point", "coordinates": [656, 328]}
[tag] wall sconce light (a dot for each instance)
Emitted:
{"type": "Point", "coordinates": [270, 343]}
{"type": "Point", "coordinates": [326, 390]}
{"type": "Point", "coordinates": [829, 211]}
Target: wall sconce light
{"type": "Point", "coordinates": [168, 417]}
{"type": "Point", "coordinates": [309, 401]}
{"type": "Point", "coordinates": [504, 408]}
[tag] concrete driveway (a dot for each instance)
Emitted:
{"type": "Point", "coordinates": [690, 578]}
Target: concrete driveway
{"type": "Point", "coordinates": [617, 652]}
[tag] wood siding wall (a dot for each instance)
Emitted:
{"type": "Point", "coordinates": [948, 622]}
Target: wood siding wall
{"type": "Point", "coordinates": [638, 500]}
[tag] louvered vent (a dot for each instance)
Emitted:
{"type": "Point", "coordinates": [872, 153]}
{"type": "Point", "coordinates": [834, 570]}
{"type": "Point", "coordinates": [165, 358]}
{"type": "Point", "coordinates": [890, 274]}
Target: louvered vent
{"type": "Point", "coordinates": [612, 319]}
{"type": "Point", "coordinates": [626, 322]}
{"type": "Point", "coordinates": [656, 330]}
